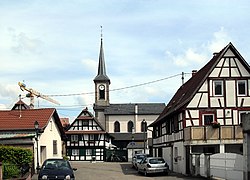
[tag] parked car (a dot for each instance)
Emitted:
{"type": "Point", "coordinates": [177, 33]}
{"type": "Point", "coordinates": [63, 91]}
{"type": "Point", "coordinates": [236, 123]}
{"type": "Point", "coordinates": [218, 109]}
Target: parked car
{"type": "Point", "coordinates": [56, 169]}
{"type": "Point", "coordinates": [137, 158]}
{"type": "Point", "coordinates": [153, 165]}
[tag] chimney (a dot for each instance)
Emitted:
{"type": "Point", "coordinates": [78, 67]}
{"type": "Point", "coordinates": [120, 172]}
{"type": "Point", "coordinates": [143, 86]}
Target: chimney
{"type": "Point", "coordinates": [194, 72]}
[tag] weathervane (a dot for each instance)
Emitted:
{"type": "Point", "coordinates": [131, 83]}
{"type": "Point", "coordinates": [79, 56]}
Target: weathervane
{"type": "Point", "coordinates": [101, 32]}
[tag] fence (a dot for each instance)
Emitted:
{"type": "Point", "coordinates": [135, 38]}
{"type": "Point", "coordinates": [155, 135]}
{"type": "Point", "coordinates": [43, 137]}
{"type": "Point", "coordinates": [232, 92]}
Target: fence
{"type": "Point", "coordinates": [224, 165]}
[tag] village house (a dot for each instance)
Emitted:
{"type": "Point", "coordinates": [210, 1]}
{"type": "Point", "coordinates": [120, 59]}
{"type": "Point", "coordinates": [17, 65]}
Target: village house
{"type": "Point", "coordinates": [87, 140]}
{"type": "Point", "coordinates": [17, 128]}
{"type": "Point", "coordinates": [204, 115]}
{"type": "Point", "coordinates": [127, 122]}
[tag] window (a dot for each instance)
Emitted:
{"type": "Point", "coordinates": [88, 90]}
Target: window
{"type": "Point", "coordinates": [130, 126]}
{"type": "Point", "coordinates": [54, 146]}
{"type": "Point", "coordinates": [75, 152]}
{"type": "Point", "coordinates": [90, 152]}
{"type": "Point", "coordinates": [208, 119]}
{"type": "Point", "coordinates": [102, 92]}
{"type": "Point", "coordinates": [218, 88]}
{"type": "Point", "coordinates": [143, 126]}
{"type": "Point", "coordinates": [116, 126]}
{"type": "Point", "coordinates": [242, 87]}
{"type": "Point", "coordinates": [91, 137]}
{"type": "Point", "coordinates": [74, 138]}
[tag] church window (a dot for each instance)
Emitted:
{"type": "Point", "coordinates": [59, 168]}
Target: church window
{"type": "Point", "coordinates": [102, 92]}
{"type": "Point", "coordinates": [130, 126]}
{"type": "Point", "coordinates": [116, 126]}
{"type": "Point", "coordinates": [143, 126]}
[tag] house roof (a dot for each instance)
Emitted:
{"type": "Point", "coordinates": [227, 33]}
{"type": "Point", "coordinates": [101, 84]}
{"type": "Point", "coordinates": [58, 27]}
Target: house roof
{"type": "Point", "coordinates": [128, 109]}
{"type": "Point", "coordinates": [186, 92]}
{"type": "Point", "coordinates": [24, 119]}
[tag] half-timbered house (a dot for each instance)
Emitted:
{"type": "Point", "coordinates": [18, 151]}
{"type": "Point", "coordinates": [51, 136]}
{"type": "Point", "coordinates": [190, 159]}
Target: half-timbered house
{"type": "Point", "coordinates": [86, 139]}
{"type": "Point", "coordinates": [204, 114]}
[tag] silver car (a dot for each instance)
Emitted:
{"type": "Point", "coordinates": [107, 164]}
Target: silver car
{"type": "Point", "coordinates": [137, 158]}
{"type": "Point", "coordinates": [153, 165]}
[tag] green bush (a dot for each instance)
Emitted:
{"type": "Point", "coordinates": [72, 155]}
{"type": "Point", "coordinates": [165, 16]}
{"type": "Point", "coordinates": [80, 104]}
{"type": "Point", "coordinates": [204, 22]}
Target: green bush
{"type": "Point", "coordinates": [15, 155]}
{"type": "Point", "coordinates": [13, 158]}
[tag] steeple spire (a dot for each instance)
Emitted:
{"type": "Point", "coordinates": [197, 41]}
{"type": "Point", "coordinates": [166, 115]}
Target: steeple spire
{"type": "Point", "coordinates": [101, 75]}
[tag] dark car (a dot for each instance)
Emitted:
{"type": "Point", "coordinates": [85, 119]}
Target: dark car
{"type": "Point", "coordinates": [56, 169]}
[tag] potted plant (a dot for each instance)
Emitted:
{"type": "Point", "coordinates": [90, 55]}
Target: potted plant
{"type": "Point", "coordinates": [215, 124]}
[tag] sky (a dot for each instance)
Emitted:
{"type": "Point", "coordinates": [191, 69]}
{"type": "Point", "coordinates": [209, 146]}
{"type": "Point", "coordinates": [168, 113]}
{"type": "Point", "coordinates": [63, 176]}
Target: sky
{"type": "Point", "coordinates": [53, 47]}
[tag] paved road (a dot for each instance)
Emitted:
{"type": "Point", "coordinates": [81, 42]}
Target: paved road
{"type": "Point", "coordinates": [115, 171]}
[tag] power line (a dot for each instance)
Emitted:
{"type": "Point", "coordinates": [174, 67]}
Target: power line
{"type": "Point", "coordinates": [118, 89]}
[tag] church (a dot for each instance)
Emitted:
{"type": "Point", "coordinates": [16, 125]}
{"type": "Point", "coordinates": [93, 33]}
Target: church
{"type": "Point", "coordinates": [126, 123]}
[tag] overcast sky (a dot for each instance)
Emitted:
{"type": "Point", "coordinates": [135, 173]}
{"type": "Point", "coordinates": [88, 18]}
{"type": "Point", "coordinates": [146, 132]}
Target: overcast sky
{"type": "Point", "coordinates": [53, 46]}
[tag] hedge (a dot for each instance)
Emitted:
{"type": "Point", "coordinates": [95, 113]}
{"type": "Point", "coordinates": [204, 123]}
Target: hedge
{"type": "Point", "coordinates": [15, 155]}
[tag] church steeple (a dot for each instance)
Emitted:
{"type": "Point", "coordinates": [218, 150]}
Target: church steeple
{"type": "Point", "coordinates": [101, 81]}
{"type": "Point", "coordinates": [101, 75]}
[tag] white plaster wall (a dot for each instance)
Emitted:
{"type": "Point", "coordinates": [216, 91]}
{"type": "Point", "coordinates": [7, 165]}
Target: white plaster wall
{"type": "Point", "coordinates": [180, 165]}
{"type": "Point", "coordinates": [230, 93]}
{"type": "Point", "coordinates": [50, 133]}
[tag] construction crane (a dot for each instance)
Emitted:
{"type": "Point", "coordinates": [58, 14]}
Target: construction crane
{"type": "Point", "coordinates": [33, 93]}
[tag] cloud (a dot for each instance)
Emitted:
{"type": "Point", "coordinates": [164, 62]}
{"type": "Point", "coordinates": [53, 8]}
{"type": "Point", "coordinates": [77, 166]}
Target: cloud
{"type": "Point", "coordinates": [22, 43]}
{"type": "Point", "coordinates": [201, 54]}
{"type": "Point", "coordinates": [220, 40]}
{"type": "Point", "coordinates": [90, 64]}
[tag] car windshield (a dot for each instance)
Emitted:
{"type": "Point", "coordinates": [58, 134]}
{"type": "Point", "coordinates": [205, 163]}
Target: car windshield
{"type": "Point", "coordinates": [56, 164]}
{"type": "Point", "coordinates": [140, 156]}
{"type": "Point", "coordinates": [156, 161]}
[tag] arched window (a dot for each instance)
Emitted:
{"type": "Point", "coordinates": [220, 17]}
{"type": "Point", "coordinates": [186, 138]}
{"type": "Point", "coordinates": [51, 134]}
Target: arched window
{"type": "Point", "coordinates": [144, 126]}
{"type": "Point", "coordinates": [101, 91]}
{"type": "Point", "coordinates": [130, 126]}
{"type": "Point", "coordinates": [116, 126]}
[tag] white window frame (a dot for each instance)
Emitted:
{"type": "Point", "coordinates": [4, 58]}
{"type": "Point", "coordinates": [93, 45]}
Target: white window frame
{"type": "Point", "coordinates": [74, 138]}
{"type": "Point", "coordinates": [75, 152]}
{"type": "Point", "coordinates": [88, 152]}
{"type": "Point", "coordinates": [214, 85]}
{"type": "Point", "coordinates": [245, 82]}
{"type": "Point", "coordinates": [207, 114]}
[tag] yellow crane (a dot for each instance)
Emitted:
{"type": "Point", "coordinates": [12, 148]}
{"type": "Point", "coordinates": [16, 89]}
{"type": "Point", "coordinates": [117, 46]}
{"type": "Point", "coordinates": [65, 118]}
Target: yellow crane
{"type": "Point", "coordinates": [33, 93]}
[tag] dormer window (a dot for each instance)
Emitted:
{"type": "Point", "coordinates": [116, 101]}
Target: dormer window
{"type": "Point", "coordinates": [218, 88]}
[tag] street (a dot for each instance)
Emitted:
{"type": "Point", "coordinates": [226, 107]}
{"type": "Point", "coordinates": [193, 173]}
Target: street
{"type": "Point", "coordinates": [121, 171]}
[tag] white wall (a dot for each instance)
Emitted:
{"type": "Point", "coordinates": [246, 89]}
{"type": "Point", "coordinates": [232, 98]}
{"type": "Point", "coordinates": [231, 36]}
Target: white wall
{"type": "Point", "coordinates": [50, 133]}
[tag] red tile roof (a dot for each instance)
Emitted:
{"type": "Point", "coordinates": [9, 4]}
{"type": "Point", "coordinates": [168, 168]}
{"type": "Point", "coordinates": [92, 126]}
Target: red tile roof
{"type": "Point", "coordinates": [24, 119]}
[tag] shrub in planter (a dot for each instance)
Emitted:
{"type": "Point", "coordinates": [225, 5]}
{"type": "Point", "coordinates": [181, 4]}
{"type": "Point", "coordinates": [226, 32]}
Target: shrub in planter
{"type": "Point", "coordinates": [215, 124]}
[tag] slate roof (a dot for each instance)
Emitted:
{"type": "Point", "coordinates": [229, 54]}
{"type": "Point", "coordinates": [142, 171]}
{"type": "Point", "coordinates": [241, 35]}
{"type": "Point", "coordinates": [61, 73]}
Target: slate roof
{"type": "Point", "coordinates": [127, 136]}
{"type": "Point", "coordinates": [24, 120]}
{"type": "Point", "coordinates": [129, 109]}
{"type": "Point", "coordinates": [101, 75]}
{"type": "Point", "coordinates": [186, 92]}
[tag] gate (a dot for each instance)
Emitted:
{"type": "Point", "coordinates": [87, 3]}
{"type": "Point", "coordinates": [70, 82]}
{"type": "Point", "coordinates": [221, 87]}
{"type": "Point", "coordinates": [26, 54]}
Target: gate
{"type": "Point", "coordinates": [116, 155]}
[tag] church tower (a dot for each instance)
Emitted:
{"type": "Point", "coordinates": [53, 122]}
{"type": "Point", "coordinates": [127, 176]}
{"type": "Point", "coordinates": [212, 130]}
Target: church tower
{"type": "Point", "coordinates": [102, 83]}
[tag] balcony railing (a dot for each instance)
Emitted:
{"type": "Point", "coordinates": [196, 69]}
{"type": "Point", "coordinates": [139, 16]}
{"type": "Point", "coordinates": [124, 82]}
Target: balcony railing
{"type": "Point", "coordinates": [228, 132]}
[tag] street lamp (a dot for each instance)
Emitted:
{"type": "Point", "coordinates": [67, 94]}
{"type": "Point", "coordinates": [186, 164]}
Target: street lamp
{"type": "Point", "coordinates": [36, 124]}
{"type": "Point", "coordinates": [144, 135]}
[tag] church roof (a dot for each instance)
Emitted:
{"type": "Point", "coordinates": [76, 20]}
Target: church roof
{"type": "Point", "coordinates": [101, 75]}
{"type": "Point", "coordinates": [127, 109]}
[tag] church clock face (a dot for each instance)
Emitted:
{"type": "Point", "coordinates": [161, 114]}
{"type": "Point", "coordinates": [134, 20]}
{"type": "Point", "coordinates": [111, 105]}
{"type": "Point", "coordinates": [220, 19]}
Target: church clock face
{"type": "Point", "coordinates": [101, 87]}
